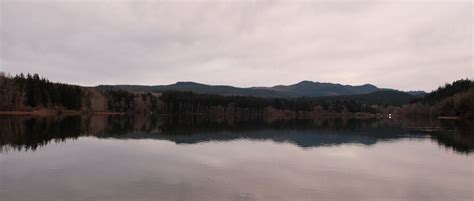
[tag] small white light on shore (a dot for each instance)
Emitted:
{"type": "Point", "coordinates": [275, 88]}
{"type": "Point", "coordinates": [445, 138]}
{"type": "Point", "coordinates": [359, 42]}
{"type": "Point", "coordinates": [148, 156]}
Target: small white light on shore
{"type": "Point", "coordinates": [389, 116]}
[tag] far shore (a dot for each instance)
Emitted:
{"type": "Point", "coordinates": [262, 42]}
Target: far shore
{"type": "Point", "coordinates": [53, 113]}
{"type": "Point", "coordinates": [47, 112]}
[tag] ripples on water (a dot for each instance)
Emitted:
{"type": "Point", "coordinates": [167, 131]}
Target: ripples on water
{"type": "Point", "coordinates": [162, 158]}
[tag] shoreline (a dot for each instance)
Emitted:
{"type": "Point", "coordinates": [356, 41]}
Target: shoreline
{"type": "Point", "coordinates": [57, 113]}
{"type": "Point", "coordinates": [46, 112]}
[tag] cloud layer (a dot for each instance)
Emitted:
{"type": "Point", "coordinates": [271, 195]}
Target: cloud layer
{"type": "Point", "coordinates": [396, 44]}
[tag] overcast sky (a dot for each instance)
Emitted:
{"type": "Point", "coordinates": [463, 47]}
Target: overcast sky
{"type": "Point", "coordinates": [397, 44]}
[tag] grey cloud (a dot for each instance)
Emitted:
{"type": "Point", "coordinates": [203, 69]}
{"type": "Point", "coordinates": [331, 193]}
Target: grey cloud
{"type": "Point", "coordinates": [397, 44]}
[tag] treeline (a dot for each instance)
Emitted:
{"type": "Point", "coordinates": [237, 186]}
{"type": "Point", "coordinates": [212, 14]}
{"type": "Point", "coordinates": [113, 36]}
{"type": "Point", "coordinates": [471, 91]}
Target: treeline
{"type": "Point", "coordinates": [123, 101]}
{"type": "Point", "coordinates": [30, 91]}
{"type": "Point", "coordinates": [380, 98]}
{"type": "Point", "coordinates": [179, 102]}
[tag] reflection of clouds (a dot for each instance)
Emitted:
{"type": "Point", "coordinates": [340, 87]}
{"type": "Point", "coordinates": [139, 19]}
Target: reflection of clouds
{"type": "Point", "coordinates": [237, 170]}
{"type": "Point", "coordinates": [344, 152]}
{"type": "Point", "coordinates": [289, 167]}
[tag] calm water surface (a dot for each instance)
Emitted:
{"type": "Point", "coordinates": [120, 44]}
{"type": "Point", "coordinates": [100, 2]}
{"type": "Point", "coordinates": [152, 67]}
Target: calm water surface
{"type": "Point", "coordinates": [118, 158]}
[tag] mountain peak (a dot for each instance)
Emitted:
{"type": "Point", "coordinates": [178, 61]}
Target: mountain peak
{"type": "Point", "coordinates": [187, 83]}
{"type": "Point", "coordinates": [305, 82]}
{"type": "Point", "coordinates": [368, 85]}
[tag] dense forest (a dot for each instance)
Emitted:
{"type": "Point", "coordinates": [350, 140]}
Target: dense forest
{"type": "Point", "coordinates": [446, 91]}
{"type": "Point", "coordinates": [31, 92]}
{"type": "Point", "coordinates": [21, 91]}
{"type": "Point", "coordinates": [381, 98]}
{"type": "Point", "coordinates": [178, 102]}
{"type": "Point", "coordinates": [452, 99]}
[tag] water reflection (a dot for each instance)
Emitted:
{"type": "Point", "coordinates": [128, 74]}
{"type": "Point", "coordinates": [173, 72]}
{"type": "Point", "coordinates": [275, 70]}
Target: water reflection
{"type": "Point", "coordinates": [102, 158]}
{"type": "Point", "coordinates": [30, 133]}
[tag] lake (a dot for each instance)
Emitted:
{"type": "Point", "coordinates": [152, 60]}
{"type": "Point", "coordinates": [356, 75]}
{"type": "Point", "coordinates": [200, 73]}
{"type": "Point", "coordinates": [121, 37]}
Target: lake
{"type": "Point", "coordinates": [162, 158]}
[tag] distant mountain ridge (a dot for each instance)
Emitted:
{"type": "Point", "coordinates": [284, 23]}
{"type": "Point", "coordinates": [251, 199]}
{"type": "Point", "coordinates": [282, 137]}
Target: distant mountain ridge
{"type": "Point", "coordinates": [301, 89]}
{"type": "Point", "coordinates": [317, 89]}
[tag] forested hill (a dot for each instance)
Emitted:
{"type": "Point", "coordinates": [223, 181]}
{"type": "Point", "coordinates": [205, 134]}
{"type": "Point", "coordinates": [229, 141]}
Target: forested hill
{"type": "Point", "coordinates": [447, 91]}
{"type": "Point", "coordinates": [452, 99]}
{"type": "Point", "coordinates": [301, 89]}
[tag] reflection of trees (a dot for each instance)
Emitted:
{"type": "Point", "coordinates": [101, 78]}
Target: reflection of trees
{"type": "Point", "coordinates": [32, 132]}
